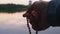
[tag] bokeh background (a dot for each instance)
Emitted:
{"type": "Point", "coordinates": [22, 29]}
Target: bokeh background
{"type": "Point", "coordinates": [12, 21]}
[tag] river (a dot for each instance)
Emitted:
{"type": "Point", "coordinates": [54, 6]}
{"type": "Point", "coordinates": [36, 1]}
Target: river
{"type": "Point", "coordinates": [15, 23]}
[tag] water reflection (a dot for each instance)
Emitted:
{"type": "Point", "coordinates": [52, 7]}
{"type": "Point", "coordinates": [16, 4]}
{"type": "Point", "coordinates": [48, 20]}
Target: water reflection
{"type": "Point", "coordinates": [16, 24]}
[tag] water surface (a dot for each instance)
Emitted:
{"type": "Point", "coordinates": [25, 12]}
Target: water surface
{"type": "Point", "coordinates": [16, 24]}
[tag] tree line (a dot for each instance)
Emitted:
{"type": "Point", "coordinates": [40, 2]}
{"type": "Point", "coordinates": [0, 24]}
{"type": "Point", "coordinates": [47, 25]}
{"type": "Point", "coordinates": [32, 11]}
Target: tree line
{"type": "Point", "coordinates": [12, 8]}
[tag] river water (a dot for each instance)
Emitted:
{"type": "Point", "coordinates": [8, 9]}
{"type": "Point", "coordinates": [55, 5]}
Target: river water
{"type": "Point", "coordinates": [15, 23]}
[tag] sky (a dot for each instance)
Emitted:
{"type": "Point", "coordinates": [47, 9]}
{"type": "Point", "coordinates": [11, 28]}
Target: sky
{"type": "Point", "coordinates": [25, 2]}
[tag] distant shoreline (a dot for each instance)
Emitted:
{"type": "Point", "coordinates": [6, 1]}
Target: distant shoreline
{"type": "Point", "coordinates": [14, 12]}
